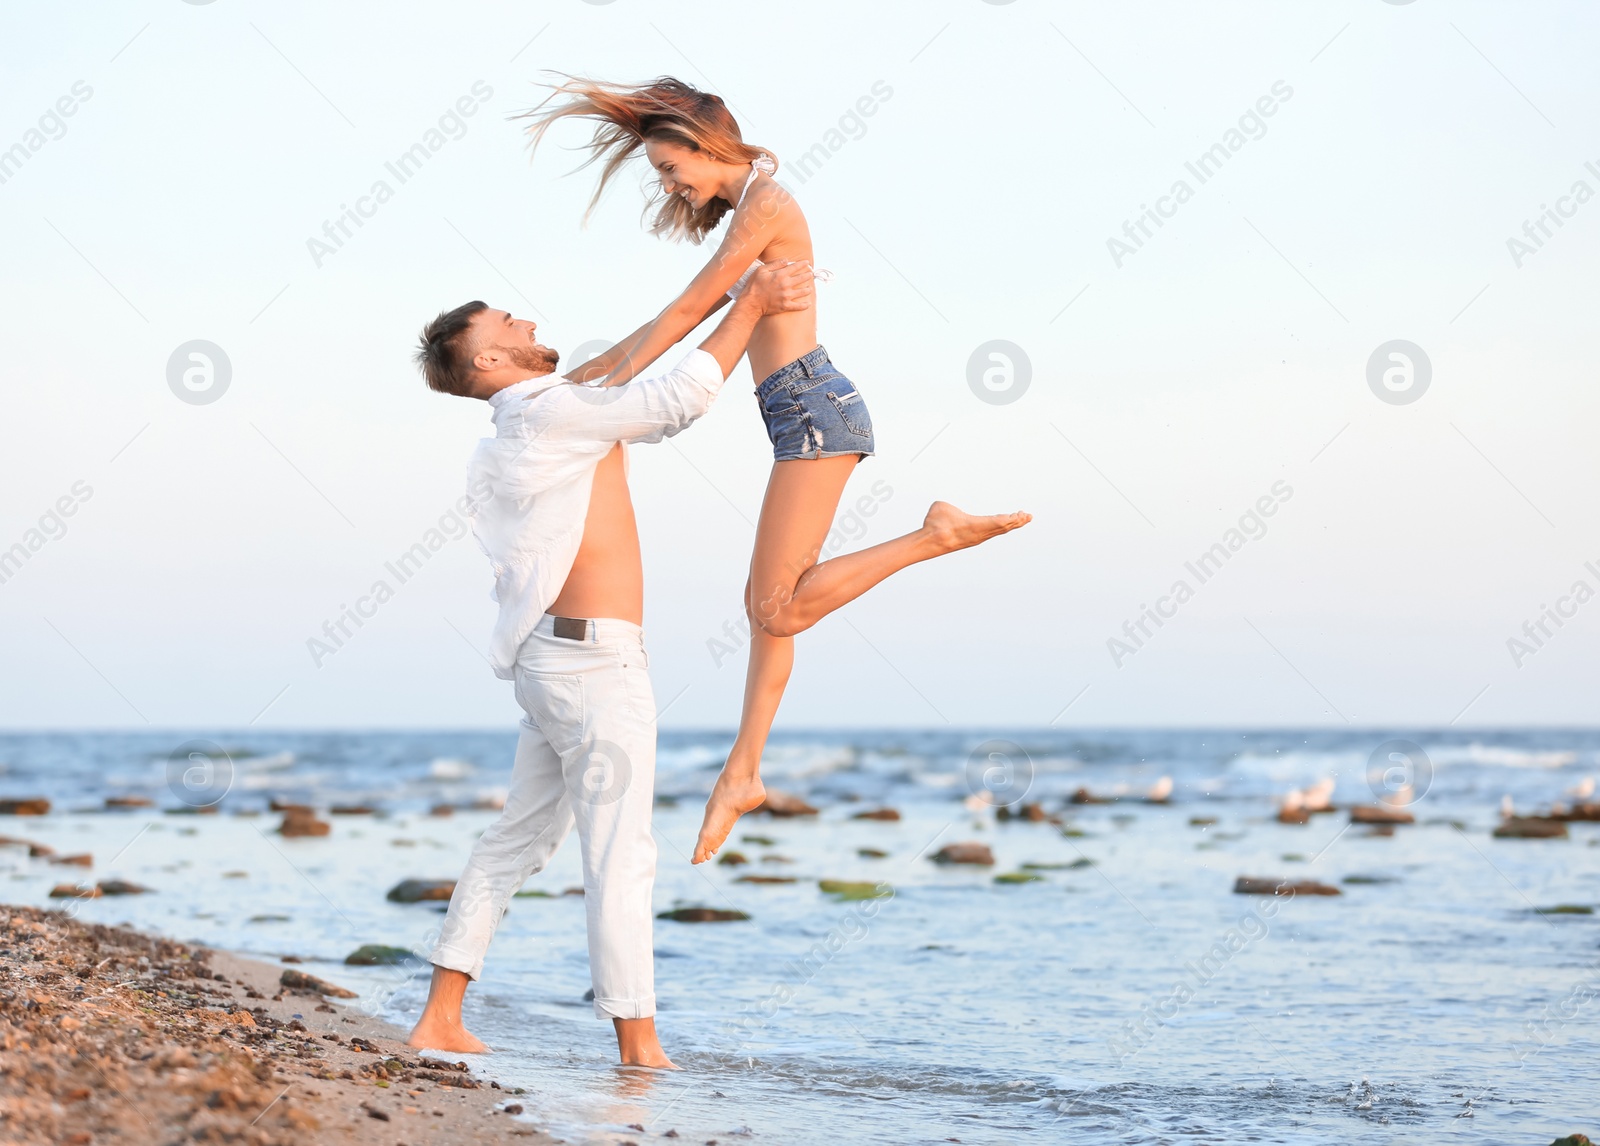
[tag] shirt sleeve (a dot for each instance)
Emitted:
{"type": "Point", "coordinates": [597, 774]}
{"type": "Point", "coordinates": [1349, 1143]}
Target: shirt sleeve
{"type": "Point", "coordinates": [644, 410]}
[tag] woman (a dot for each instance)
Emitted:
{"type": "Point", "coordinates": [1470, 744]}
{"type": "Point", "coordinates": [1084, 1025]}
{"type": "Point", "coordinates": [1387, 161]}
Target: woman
{"type": "Point", "coordinates": [815, 416]}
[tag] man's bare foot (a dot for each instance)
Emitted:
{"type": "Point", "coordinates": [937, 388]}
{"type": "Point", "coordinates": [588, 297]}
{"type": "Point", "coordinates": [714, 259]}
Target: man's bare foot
{"type": "Point", "coordinates": [637, 1044]}
{"type": "Point", "coordinates": [437, 1033]}
{"type": "Point", "coordinates": [731, 798]}
{"type": "Point", "coordinates": [954, 529]}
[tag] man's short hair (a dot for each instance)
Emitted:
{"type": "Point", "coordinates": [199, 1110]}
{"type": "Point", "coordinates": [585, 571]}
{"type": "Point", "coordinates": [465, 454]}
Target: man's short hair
{"type": "Point", "coordinates": [445, 353]}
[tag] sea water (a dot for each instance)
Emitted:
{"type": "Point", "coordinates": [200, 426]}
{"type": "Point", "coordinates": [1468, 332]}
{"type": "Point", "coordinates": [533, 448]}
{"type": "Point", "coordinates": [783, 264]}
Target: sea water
{"type": "Point", "coordinates": [1132, 998]}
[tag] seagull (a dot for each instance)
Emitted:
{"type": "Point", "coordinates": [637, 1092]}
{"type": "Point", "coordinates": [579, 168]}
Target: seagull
{"type": "Point", "coordinates": [1583, 789]}
{"type": "Point", "coordinates": [1159, 791]}
{"type": "Point", "coordinates": [1506, 810]}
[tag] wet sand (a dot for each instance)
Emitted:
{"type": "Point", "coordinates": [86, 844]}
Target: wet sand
{"type": "Point", "coordinates": [110, 1035]}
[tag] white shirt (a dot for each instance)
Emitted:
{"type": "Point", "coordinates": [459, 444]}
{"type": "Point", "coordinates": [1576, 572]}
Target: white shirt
{"type": "Point", "coordinates": [529, 484]}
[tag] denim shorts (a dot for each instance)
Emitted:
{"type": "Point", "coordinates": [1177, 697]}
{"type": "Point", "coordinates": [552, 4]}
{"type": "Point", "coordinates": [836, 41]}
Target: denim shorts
{"type": "Point", "coordinates": [813, 411]}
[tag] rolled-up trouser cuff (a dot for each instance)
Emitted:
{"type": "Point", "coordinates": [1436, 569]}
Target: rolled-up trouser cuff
{"type": "Point", "coordinates": [453, 959]}
{"type": "Point", "coordinates": [625, 1008]}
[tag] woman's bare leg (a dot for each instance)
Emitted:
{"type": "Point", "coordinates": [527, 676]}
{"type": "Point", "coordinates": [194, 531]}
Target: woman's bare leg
{"type": "Point", "coordinates": [789, 591]}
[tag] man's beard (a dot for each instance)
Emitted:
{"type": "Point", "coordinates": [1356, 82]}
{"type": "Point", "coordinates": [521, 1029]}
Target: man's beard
{"type": "Point", "coordinates": [539, 359]}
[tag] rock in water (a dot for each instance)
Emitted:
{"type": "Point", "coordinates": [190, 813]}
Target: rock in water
{"type": "Point", "coordinates": [72, 891]}
{"type": "Point", "coordinates": [418, 890]}
{"type": "Point", "coordinates": [1293, 815]}
{"type": "Point", "coordinates": [300, 981]}
{"type": "Point", "coordinates": [1255, 885]}
{"type": "Point", "coordinates": [969, 851]}
{"type": "Point", "coordinates": [82, 859]}
{"type": "Point", "coordinates": [1380, 814]}
{"type": "Point", "coordinates": [120, 887]}
{"type": "Point", "coordinates": [377, 955]}
{"type": "Point", "coordinates": [129, 802]}
{"type": "Point", "coordinates": [27, 806]}
{"type": "Point", "coordinates": [784, 804]}
{"type": "Point", "coordinates": [302, 821]}
{"type": "Point", "coordinates": [1018, 877]}
{"type": "Point", "coordinates": [702, 915]}
{"type": "Point", "coordinates": [855, 889]}
{"type": "Point", "coordinates": [766, 879]}
{"type": "Point", "coordinates": [1530, 828]}
{"type": "Point", "coordinates": [878, 814]}
{"type": "Point", "coordinates": [732, 859]}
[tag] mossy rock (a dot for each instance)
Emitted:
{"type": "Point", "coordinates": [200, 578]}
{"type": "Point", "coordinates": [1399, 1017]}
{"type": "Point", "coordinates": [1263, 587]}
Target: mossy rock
{"type": "Point", "coordinates": [759, 841]}
{"type": "Point", "coordinates": [533, 893]}
{"type": "Point", "coordinates": [846, 889]}
{"type": "Point", "coordinates": [1019, 877]}
{"type": "Point", "coordinates": [702, 915]}
{"type": "Point", "coordinates": [1565, 909]}
{"type": "Point", "coordinates": [378, 955]}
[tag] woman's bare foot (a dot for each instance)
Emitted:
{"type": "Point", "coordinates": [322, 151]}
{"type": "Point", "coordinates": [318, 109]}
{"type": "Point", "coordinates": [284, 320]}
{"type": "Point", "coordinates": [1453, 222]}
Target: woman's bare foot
{"type": "Point", "coordinates": [435, 1032]}
{"type": "Point", "coordinates": [731, 797]}
{"type": "Point", "coordinates": [954, 529]}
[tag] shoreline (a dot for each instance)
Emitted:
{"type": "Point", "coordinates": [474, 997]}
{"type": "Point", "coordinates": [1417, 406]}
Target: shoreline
{"type": "Point", "coordinates": [108, 1034]}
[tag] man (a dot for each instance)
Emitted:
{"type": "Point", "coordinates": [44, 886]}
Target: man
{"type": "Point", "coordinates": [555, 517]}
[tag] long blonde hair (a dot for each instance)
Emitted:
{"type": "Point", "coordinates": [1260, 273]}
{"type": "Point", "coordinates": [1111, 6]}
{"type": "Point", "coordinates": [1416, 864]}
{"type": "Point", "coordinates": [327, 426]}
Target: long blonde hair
{"type": "Point", "coordinates": [626, 115]}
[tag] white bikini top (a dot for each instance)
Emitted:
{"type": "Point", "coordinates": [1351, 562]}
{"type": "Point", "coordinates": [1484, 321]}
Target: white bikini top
{"type": "Point", "coordinates": [763, 164]}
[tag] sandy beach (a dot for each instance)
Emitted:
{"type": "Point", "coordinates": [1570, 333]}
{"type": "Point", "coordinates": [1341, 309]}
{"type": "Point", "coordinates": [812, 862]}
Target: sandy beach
{"type": "Point", "coordinates": [111, 1035]}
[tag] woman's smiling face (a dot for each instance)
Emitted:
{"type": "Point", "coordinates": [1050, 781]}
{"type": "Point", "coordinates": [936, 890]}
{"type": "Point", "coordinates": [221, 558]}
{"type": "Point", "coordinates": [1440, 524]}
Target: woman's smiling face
{"type": "Point", "coordinates": [691, 175]}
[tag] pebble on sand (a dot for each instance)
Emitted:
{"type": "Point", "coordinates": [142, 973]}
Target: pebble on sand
{"type": "Point", "coordinates": [1531, 828]}
{"type": "Point", "coordinates": [886, 814]}
{"type": "Point", "coordinates": [300, 981]}
{"type": "Point", "coordinates": [968, 851]}
{"type": "Point", "coordinates": [702, 915]}
{"type": "Point", "coordinates": [418, 890]}
{"type": "Point", "coordinates": [1255, 885]}
{"type": "Point", "coordinates": [25, 806]}
{"type": "Point", "coordinates": [784, 804]}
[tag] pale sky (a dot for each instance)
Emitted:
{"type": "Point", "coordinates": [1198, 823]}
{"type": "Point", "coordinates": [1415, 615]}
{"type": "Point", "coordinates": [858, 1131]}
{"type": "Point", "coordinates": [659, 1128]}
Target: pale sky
{"type": "Point", "coordinates": [1224, 361]}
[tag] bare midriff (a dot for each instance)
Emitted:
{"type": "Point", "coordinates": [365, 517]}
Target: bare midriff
{"type": "Point", "coordinates": [607, 577]}
{"type": "Point", "coordinates": [779, 339]}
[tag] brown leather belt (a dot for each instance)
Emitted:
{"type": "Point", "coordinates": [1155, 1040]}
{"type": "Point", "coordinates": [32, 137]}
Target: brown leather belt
{"type": "Point", "coordinates": [570, 628]}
